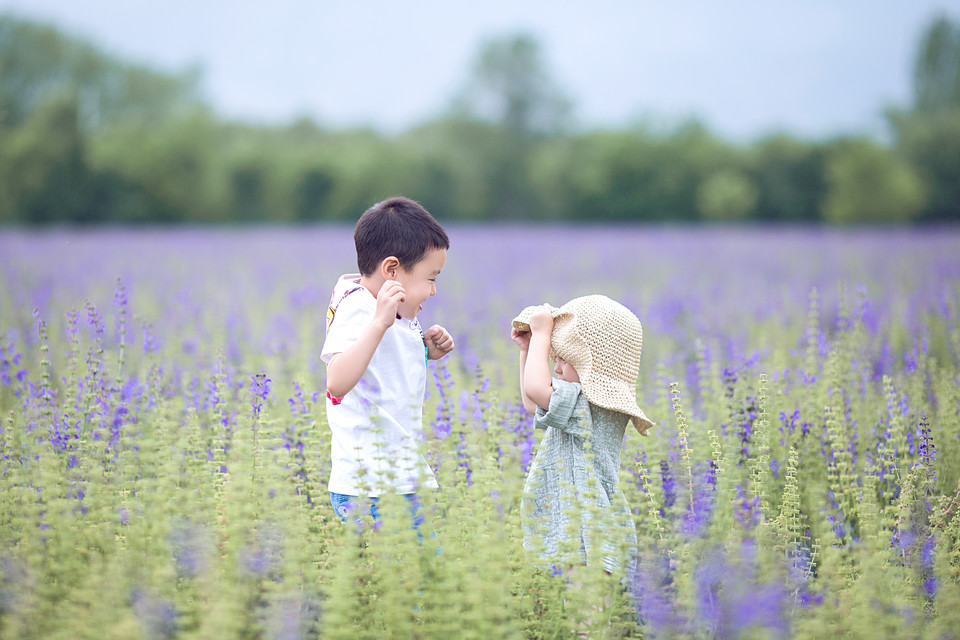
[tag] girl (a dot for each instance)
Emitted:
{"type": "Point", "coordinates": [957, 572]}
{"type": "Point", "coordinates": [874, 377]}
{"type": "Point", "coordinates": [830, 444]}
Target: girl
{"type": "Point", "coordinates": [572, 509]}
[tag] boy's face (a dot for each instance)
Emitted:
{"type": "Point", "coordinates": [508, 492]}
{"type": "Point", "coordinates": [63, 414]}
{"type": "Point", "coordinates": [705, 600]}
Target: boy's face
{"type": "Point", "coordinates": [420, 282]}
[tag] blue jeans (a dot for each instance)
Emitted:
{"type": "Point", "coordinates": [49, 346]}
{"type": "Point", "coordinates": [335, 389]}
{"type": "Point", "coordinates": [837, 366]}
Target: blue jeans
{"type": "Point", "coordinates": [343, 505]}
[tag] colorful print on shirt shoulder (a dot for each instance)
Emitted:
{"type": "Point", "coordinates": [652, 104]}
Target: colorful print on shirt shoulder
{"type": "Point", "coordinates": [335, 304]}
{"type": "Point", "coordinates": [331, 312]}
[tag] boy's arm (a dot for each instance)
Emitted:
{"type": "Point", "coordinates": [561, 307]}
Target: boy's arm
{"type": "Point", "coordinates": [346, 368]}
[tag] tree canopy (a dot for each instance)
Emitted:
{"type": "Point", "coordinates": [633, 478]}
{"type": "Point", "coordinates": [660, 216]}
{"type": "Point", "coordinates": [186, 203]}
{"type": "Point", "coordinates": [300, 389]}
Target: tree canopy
{"type": "Point", "coordinates": [936, 80]}
{"type": "Point", "coordinates": [88, 138]}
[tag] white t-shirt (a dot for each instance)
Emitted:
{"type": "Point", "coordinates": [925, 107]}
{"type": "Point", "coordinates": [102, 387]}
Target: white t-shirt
{"type": "Point", "coordinates": [376, 426]}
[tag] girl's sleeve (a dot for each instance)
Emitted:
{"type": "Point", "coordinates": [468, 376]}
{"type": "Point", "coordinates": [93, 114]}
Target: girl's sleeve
{"type": "Point", "coordinates": [569, 410]}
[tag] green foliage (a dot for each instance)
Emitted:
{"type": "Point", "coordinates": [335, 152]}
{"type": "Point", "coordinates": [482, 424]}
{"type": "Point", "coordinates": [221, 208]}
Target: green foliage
{"type": "Point", "coordinates": [867, 184]}
{"type": "Point", "coordinates": [726, 195]}
{"type": "Point", "coordinates": [42, 167]}
{"type": "Point", "coordinates": [930, 142]}
{"type": "Point", "coordinates": [936, 75]}
{"type": "Point", "coordinates": [637, 175]}
{"type": "Point", "coordinates": [174, 165]}
{"type": "Point", "coordinates": [37, 61]}
{"type": "Point", "coordinates": [789, 176]}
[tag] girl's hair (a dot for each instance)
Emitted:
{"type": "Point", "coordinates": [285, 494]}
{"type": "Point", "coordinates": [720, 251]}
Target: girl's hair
{"type": "Point", "coordinates": [398, 227]}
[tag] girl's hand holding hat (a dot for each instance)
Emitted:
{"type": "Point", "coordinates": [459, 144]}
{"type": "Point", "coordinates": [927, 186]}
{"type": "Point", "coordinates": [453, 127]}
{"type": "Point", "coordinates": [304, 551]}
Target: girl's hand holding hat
{"type": "Point", "coordinates": [542, 319]}
{"type": "Point", "coordinates": [520, 338]}
{"type": "Point", "coordinates": [520, 332]}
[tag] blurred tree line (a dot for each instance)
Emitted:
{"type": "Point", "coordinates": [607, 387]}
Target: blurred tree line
{"type": "Point", "coordinates": [87, 138]}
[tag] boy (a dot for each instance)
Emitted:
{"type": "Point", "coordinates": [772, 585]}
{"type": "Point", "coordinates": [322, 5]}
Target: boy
{"type": "Point", "coordinates": [376, 353]}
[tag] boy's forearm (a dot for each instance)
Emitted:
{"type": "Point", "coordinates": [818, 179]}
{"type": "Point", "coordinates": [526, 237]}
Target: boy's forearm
{"type": "Point", "coordinates": [537, 383]}
{"type": "Point", "coordinates": [346, 368]}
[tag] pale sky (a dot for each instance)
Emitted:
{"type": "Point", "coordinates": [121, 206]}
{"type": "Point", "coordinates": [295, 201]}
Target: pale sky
{"type": "Point", "coordinates": [813, 69]}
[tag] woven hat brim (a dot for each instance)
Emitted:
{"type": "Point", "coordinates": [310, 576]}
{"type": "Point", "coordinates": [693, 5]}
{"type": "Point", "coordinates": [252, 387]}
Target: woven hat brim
{"type": "Point", "coordinates": [522, 321]}
{"type": "Point", "coordinates": [619, 396]}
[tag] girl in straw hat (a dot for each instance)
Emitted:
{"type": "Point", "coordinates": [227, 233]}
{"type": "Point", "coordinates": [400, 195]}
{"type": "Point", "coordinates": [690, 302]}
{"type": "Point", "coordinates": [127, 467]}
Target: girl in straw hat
{"type": "Point", "coordinates": [572, 510]}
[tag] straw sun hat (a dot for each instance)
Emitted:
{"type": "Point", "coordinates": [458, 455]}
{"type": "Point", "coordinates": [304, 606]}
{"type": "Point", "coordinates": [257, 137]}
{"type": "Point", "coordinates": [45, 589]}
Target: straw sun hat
{"type": "Point", "coordinates": [602, 339]}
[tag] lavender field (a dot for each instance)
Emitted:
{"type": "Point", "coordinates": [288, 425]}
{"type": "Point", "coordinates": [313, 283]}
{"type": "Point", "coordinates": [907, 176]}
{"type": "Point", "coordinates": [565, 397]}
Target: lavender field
{"type": "Point", "coordinates": [165, 450]}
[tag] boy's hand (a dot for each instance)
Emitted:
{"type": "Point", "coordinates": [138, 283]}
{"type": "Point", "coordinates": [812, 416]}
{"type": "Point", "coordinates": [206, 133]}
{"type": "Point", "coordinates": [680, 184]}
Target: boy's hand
{"type": "Point", "coordinates": [389, 297]}
{"type": "Point", "coordinates": [520, 338]}
{"type": "Point", "coordinates": [542, 320]}
{"type": "Point", "coordinates": [439, 342]}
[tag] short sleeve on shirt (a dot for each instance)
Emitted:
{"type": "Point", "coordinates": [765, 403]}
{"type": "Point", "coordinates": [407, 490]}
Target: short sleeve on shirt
{"type": "Point", "coordinates": [351, 318]}
{"type": "Point", "coordinates": [569, 409]}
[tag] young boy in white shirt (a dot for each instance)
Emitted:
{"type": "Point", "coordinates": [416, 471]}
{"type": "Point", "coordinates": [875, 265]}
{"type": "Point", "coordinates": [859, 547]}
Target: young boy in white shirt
{"type": "Point", "coordinates": [376, 353]}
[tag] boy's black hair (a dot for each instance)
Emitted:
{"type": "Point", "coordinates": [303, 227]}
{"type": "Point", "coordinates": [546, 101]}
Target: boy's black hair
{"type": "Point", "coordinates": [398, 227]}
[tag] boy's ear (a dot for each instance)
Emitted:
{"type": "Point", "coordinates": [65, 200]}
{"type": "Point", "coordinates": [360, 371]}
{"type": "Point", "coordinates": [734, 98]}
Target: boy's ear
{"type": "Point", "coordinates": [389, 267]}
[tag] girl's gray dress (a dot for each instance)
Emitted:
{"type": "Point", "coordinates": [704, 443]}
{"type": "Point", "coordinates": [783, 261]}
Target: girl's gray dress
{"type": "Point", "coordinates": [572, 509]}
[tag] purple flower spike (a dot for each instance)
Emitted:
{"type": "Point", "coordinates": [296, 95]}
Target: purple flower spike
{"type": "Point", "coordinates": [259, 390]}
